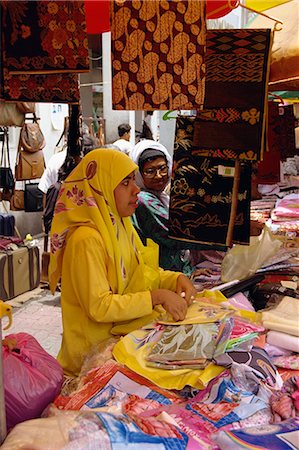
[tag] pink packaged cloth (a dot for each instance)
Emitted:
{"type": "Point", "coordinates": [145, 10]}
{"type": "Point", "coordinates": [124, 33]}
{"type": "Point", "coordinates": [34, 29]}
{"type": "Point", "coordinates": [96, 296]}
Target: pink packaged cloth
{"type": "Point", "coordinates": [287, 208]}
{"type": "Point", "coordinates": [32, 378]}
{"type": "Point", "coordinates": [240, 301]}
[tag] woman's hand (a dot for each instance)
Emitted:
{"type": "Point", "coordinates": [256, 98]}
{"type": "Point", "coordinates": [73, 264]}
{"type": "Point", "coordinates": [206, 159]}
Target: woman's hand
{"type": "Point", "coordinates": [171, 302]}
{"type": "Point", "coordinates": [185, 289]}
{"type": "Point", "coordinates": [206, 272]}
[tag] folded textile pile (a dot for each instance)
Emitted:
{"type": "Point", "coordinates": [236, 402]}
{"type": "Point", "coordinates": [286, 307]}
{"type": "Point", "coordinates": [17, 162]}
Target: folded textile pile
{"type": "Point", "coordinates": [284, 317]}
{"type": "Point", "coordinates": [286, 209]}
{"type": "Point", "coordinates": [285, 215]}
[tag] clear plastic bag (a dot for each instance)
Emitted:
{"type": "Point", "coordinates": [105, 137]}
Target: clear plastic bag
{"type": "Point", "coordinates": [243, 261]}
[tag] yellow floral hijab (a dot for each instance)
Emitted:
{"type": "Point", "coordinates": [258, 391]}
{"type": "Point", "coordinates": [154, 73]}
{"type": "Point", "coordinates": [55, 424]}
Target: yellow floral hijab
{"type": "Point", "coordinates": [86, 198]}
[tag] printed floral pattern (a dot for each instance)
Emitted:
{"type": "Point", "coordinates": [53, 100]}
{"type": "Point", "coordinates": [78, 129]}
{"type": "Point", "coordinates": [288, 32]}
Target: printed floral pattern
{"type": "Point", "coordinates": [46, 36]}
{"type": "Point", "coordinates": [58, 241]}
{"type": "Point", "coordinates": [50, 88]}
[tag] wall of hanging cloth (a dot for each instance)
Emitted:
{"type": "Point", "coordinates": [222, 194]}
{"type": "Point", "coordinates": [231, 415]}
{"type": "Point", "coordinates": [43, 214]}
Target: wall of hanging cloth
{"type": "Point", "coordinates": [233, 121]}
{"type": "Point", "coordinates": [201, 194]}
{"type": "Point", "coordinates": [158, 50]}
{"type": "Point", "coordinates": [268, 170]}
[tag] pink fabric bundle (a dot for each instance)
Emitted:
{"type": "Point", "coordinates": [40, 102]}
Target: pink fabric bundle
{"type": "Point", "coordinates": [287, 208]}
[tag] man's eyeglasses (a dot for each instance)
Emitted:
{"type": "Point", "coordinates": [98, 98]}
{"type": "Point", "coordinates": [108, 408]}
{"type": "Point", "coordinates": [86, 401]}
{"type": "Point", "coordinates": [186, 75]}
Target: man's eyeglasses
{"type": "Point", "coordinates": [152, 172]}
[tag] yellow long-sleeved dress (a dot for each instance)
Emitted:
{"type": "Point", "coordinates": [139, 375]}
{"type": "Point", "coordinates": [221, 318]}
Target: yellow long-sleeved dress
{"type": "Point", "coordinates": [91, 306]}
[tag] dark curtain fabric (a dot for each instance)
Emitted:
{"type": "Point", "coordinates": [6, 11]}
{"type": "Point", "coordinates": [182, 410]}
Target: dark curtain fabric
{"type": "Point", "coordinates": [158, 50]}
{"type": "Point", "coordinates": [45, 36]}
{"type": "Point", "coordinates": [268, 170]}
{"type": "Point", "coordinates": [201, 194]}
{"type": "Point", "coordinates": [232, 123]}
{"type": "Point", "coordinates": [287, 132]}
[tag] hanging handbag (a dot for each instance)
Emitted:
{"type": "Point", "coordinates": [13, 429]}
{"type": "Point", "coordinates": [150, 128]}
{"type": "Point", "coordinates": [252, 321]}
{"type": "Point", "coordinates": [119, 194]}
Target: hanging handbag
{"type": "Point", "coordinates": [17, 200]}
{"type": "Point", "coordinates": [6, 175]}
{"type": "Point", "coordinates": [29, 166]}
{"type": "Point", "coordinates": [26, 107]}
{"type": "Point", "coordinates": [33, 198]}
{"type": "Point", "coordinates": [10, 115]}
{"type": "Point", "coordinates": [31, 137]}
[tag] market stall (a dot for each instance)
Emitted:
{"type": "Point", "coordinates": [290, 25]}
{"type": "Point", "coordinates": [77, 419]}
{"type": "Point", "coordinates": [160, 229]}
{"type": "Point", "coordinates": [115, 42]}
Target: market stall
{"type": "Point", "coordinates": [227, 376]}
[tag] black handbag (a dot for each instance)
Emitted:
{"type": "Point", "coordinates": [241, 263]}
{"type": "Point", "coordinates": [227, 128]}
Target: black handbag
{"type": "Point", "coordinates": [33, 198]}
{"type": "Point", "coordinates": [6, 176]}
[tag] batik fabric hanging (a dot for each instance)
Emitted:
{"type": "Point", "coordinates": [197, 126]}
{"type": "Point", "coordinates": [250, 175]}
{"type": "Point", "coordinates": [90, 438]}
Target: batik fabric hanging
{"type": "Point", "coordinates": [233, 121]}
{"type": "Point", "coordinates": [45, 36]}
{"type": "Point", "coordinates": [158, 49]}
{"type": "Point", "coordinates": [201, 194]}
{"type": "Point", "coordinates": [50, 88]}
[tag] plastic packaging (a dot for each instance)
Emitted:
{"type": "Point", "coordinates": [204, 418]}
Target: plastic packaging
{"type": "Point", "coordinates": [243, 261]}
{"type": "Point", "coordinates": [32, 378]}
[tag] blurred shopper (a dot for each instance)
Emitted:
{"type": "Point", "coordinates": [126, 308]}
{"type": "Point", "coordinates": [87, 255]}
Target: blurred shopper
{"type": "Point", "coordinates": [123, 143]}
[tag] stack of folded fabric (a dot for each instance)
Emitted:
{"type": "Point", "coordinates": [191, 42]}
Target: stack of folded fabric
{"type": "Point", "coordinates": [284, 317]}
{"type": "Point", "coordinates": [282, 338]}
{"type": "Point", "coordinates": [285, 215]}
{"type": "Point", "coordinates": [260, 210]}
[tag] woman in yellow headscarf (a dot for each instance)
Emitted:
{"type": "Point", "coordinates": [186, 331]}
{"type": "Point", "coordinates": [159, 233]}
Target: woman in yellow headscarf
{"type": "Point", "coordinates": [107, 276]}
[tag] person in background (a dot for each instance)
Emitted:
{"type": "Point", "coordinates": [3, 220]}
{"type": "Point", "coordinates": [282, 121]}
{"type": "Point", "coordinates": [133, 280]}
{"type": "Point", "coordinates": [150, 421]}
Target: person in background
{"type": "Point", "coordinates": [108, 278]}
{"type": "Point", "coordinates": [123, 143]}
{"type": "Point", "coordinates": [151, 216]}
{"type": "Point", "coordinates": [50, 175]}
{"type": "Point", "coordinates": [69, 163]}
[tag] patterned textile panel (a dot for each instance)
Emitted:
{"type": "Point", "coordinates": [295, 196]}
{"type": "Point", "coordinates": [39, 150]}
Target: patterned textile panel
{"type": "Point", "coordinates": [50, 88]}
{"type": "Point", "coordinates": [200, 198]}
{"type": "Point", "coordinates": [158, 50]}
{"type": "Point", "coordinates": [46, 36]}
{"type": "Point", "coordinates": [232, 123]}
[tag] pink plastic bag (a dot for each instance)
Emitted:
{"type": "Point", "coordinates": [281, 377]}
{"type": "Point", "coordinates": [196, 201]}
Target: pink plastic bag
{"type": "Point", "coordinates": [32, 379]}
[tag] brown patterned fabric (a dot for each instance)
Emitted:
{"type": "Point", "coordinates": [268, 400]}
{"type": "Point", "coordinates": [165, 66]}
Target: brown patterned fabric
{"type": "Point", "coordinates": [158, 51]}
{"type": "Point", "coordinates": [201, 198]}
{"type": "Point", "coordinates": [45, 36]}
{"type": "Point", "coordinates": [232, 123]}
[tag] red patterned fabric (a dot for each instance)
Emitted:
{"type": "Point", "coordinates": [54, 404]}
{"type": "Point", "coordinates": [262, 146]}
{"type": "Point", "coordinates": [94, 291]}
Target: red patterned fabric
{"type": "Point", "coordinates": [50, 88]}
{"type": "Point", "coordinates": [158, 50]}
{"type": "Point", "coordinates": [44, 36]}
